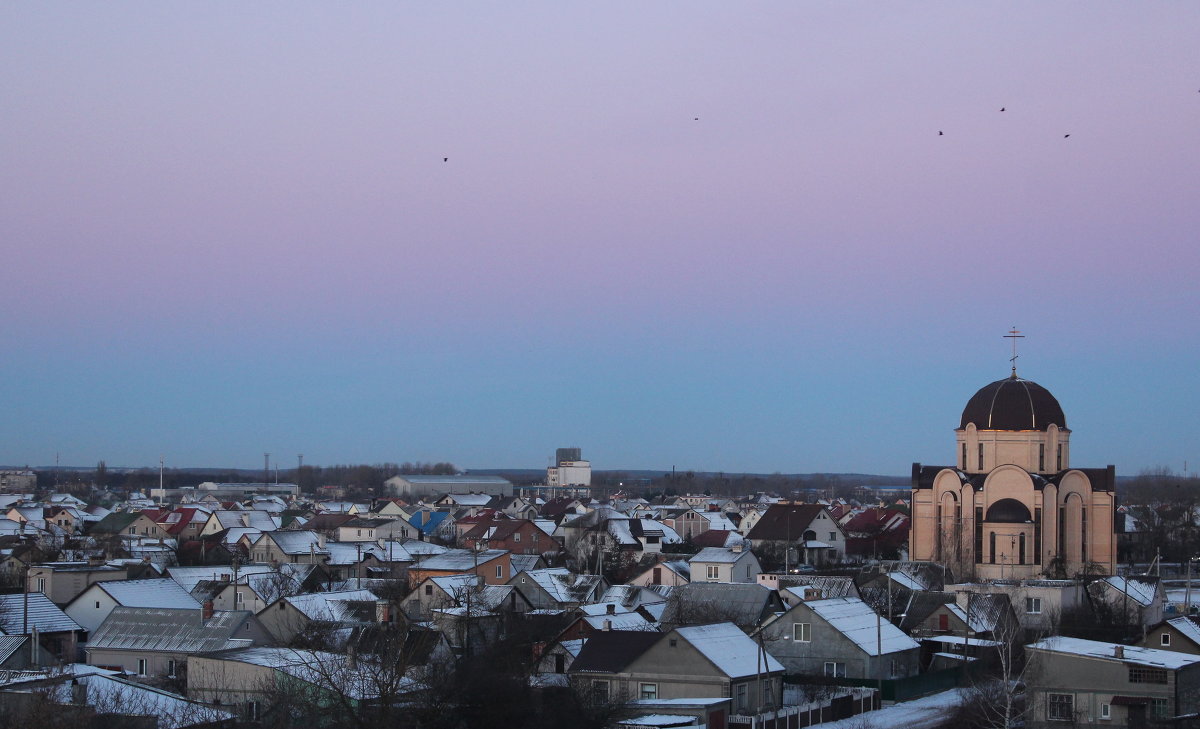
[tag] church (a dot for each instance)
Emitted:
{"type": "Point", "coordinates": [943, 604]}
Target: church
{"type": "Point", "coordinates": [1013, 507]}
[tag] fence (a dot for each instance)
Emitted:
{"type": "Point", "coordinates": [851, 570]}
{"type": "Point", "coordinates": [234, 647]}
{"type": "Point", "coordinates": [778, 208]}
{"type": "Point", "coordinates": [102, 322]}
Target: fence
{"type": "Point", "coordinates": [844, 705]}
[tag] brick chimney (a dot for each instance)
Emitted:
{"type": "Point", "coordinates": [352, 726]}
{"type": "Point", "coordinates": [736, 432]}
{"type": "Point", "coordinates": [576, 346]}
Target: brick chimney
{"type": "Point", "coordinates": [1118, 651]}
{"type": "Point", "coordinates": [206, 611]}
{"type": "Point", "coordinates": [610, 608]}
{"type": "Point", "coordinates": [383, 612]}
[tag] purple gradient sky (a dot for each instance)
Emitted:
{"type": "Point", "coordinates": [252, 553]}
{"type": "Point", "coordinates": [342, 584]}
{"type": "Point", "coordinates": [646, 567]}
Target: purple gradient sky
{"type": "Point", "coordinates": [227, 229]}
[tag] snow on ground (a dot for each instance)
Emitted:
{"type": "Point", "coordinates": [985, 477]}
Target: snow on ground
{"type": "Point", "coordinates": [923, 713]}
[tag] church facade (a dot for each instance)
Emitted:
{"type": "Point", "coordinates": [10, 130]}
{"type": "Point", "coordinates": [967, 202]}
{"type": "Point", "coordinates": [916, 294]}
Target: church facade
{"type": "Point", "coordinates": [1012, 506]}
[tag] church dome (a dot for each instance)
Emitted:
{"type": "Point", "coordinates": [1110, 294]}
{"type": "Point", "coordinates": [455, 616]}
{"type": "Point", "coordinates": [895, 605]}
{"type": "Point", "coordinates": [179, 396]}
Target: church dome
{"type": "Point", "coordinates": [1013, 404]}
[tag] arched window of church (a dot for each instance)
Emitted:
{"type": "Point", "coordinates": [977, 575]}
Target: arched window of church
{"type": "Point", "coordinates": [980, 456]}
{"type": "Point", "coordinates": [1059, 457]}
{"type": "Point", "coordinates": [964, 457]}
{"type": "Point", "coordinates": [1041, 457]}
{"type": "Point", "coordinates": [992, 547]}
{"type": "Point", "coordinates": [1021, 547]}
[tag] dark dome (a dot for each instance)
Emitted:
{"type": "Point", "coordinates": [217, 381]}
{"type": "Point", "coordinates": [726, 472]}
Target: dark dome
{"type": "Point", "coordinates": [1013, 404]}
{"type": "Point", "coordinates": [1007, 511]}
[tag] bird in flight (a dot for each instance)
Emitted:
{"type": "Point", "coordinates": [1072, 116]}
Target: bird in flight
{"type": "Point", "coordinates": [1066, 135]}
{"type": "Point", "coordinates": [696, 119]}
{"type": "Point", "coordinates": [1002, 108]}
{"type": "Point", "coordinates": [445, 159]}
{"type": "Point", "coordinates": [939, 133]}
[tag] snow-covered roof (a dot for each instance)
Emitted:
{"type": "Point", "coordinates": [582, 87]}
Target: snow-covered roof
{"type": "Point", "coordinates": [563, 585]}
{"type": "Point", "coordinates": [169, 630]}
{"type": "Point", "coordinates": [460, 559]}
{"type": "Point", "coordinates": [334, 607]}
{"type": "Point", "coordinates": [189, 577]}
{"type": "Point", "coordinates": [43, 614]}
{"type": "Point", "coordinates": [160, 593]}
{"type": "Point", "coordinates": [1187, 626]}
{"type": "Point", "coordinates": [729, 649]}
{"type": "Point", "coordinates": [856, 620]}
{"type": "Point", "coordinates": [114, 694]}
{"type": "Point", "coordinates": [906, 581]}
{"type": "Point", "coordinates": [1153, 657]}
{"type": "Point", "coordinates": [719, 555]}
{"type": "Point", "coordinates": [1144, 593]}
{"type": "Point", "coordinates": [619, 621]}
{"type": "Point", "coordinates": [303, 541]}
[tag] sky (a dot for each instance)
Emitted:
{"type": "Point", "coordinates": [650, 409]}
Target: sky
{"type": "Point", "coordinates": [741, 237]}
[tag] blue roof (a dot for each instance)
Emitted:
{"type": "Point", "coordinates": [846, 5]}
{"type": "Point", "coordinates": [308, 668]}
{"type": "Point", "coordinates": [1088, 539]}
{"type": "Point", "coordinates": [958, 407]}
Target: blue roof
{"type": "Point", "coordinates": [431, 524]}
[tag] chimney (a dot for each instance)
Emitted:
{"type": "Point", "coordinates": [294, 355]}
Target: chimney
{"type": "Point", "coordinates": [1118, 651]}
{"type": "Point", "coordinates": [607, 625]}
{"type": "Point", "coordinates": [737, 548]}
{"type": "Point", "coordinates": [206, 612]}
{"type": "Point", "coordinates": [383, 612]}
{"type": "Point", "coordinates": [611, 608]}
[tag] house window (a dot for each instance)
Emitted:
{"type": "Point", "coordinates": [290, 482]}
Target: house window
{"type": "Point", "coordinates": [1158, 708]}
{"type": "Point", "coordinates": [428, 589]}
{"type": "Point", "coordinates": [714, 572]}
{"type": "Point", "coordinates": [133, 530]}
{"type": "Point", "coordinates": [1060, 707]}
{"type": "Point", "coordinates": [142, 667]}
{"type": "Point", "coordinates": [835, 669]}
{"type": "Point", "coordinates": [802, 632]}
{"type": "Point", "coordinates": [943, 622]}
{"type": "Point", "coordinates": [171, 667]}
{"type": "Point", "coordinates": [740, 704]}
{"type": "Point", "coordinates": [648, 691]}
{"type": "Point", "coordinates": [600, 691]}
{"type": "Point", "coordinates": [1105, 711]}
{"type": "Point", "coordinates": [252, 711]}
{"type": "Point", "coordinates": [516, 536]}
{"type": "Point", "coordinates": [41, 584]}
{"type": "Point", "coordinates": [1033, 605]}
{"type": "Point", "coordinates": [1164, 639]}
{"type": "Point", "coordinates": [1138, 674]}
{"type": "Point", "coordinates": [97, 604]}
{"type": "Point", "coordinates": [499, 571]}
{"type": "Point", "coordinates": [768, 693]}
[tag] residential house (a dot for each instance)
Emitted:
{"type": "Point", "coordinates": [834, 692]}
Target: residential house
{"type": "Point", "coordinates": [841, 637]}
{"type": "Point", "coordinates": [302, 546]}
{"type": "Point", "coordinates": [1039, 604]}
{"type": "Point", "coordinates": [1072, 680]}
{"type": "Point", "coordinates": [557, 588]}
{"type": "Point", "coordinates": [63, 581]}
{"type": "Point", "coordinates": [746, 605]}
{"type": "Point", "coordinates": [439, 593]}
{"type": "Point", "coordinates": [157, 641]}
{"type": "Point", "coordinates": [493, 566]}
{"type": "Point", "coordinates": [518, 536]}
{"type": "Point", "coordinates": [291, 615]}
{"type": "Point", "coordinates": [1140, 600]}
{"type": "Point", "coordinates": [701, 661]}
{"type": "Point", "coordinates": [228, 519]}
{"type": "Point", "coordinates": [58, 634]}
{"type": "Point", "coordinates": [1181, 634]}
{"type": "Point", "coordinates": [717, 564]}
{"type": "Point", "coordinates": [670, 573]}
{"type": "Point", "coordinates": [94, 604]}
{"type": "Point", "coordinates": [127, 523]}
{"type": "Point", "coordinates": [808, 528]}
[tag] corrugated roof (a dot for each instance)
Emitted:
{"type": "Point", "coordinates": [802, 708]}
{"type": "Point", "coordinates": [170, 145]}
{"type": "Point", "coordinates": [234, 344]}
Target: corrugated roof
{"type": "Point", "coordinates": [43, 614]}
{"type": "Point", "coordinates": [169, 630]}
{"type": "Point", "coordinates": [334, 607]}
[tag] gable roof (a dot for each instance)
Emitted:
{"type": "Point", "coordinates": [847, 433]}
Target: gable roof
{"type": "Point", "coordinates": [610, 651]}
{"type": "Point", "coordinates": [1152, 657]}
{"type": "Point", "coordinates": [43, 614]}
{"type": "Point", "coordinates": [169, 630]}
{"type": "Point", "coordinates": [785, 522]}
{"type": "Point", "coordinates": [729, 649]}
{"type": "Point", "coordinates": [333, 607]}
{"type": "Point", "coordinates": [717, 555]}
{"type": "Point", "coordinates": [161, 592]}
{"type": "Point", "coordinates": [856, 620]}
{"type": "Point", "coordinates": [563, 585]}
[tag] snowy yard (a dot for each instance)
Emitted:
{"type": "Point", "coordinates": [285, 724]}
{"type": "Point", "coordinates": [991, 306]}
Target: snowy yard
{"type": "Point", "coordinates": [920, 714]}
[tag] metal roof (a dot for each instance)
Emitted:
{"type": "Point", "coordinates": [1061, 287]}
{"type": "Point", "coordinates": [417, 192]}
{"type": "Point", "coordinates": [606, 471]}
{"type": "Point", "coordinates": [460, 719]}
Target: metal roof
{"type": "Point", "coordinates": [169, 630]}
{"type": "Point", "coordinates": [43, 614]}
{"type": "Point", "coordinates": [162, 593]}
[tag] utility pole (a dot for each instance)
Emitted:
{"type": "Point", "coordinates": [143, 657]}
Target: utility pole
{"type": "Point", "coordinates": [266, 468]}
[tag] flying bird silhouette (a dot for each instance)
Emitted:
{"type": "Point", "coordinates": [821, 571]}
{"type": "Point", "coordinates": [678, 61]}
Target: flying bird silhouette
{"type": "Point", "coordinates": [1002, 108]}
{"type": "Point", "coordinates": [939, 134]}
{"type": "Point", "coordinates": [1066, 135]}
{"type": "Point", "coordinates": [445, 159]}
